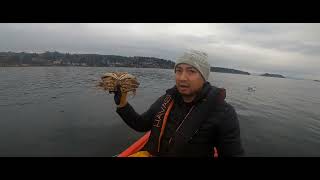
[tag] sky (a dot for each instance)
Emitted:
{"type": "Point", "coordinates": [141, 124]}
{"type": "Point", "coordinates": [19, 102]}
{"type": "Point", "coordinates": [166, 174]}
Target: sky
{"type": "Point", "coordinates": [284, 48]}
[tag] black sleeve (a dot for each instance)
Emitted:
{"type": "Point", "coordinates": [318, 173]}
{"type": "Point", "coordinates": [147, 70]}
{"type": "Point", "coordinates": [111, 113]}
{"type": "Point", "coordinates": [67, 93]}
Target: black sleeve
{"type": "Point", "coordinates": [143, 122]}
{"type": "Point", "coordinates": [229, 141]}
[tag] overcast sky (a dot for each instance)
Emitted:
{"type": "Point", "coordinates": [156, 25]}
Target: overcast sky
{"type": "Point", "coordinates": [287, 49]}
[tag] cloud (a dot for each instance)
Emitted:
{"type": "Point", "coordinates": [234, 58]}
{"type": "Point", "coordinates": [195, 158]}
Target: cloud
{"type": "Point", "coordinates": [290, 48]}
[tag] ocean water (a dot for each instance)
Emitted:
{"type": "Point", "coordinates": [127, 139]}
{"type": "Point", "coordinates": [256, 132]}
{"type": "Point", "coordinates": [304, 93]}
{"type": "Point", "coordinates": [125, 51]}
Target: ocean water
{"type": "Point", "coordinates": [59, 111]}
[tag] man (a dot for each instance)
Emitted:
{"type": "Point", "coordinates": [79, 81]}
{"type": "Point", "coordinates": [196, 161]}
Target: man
{"type": "Point", "coordinates": [191, 119]}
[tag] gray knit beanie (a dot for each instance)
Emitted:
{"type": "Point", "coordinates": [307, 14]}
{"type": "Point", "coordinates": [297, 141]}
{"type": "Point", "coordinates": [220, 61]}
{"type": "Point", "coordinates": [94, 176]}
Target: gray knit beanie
{"type": "Point", "coordinates": [198, 60]}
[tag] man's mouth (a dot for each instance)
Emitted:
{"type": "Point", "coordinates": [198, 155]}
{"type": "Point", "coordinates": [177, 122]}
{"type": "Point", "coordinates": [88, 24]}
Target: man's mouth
{"type": "Point", "coordinates": [183, 86]}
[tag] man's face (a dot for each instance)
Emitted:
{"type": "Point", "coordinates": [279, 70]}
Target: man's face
{"type": "Point", "coordinates": [188, 80]}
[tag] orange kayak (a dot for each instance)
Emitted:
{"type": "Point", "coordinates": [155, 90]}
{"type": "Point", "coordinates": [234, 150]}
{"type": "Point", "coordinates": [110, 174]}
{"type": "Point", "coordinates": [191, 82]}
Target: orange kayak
{"type": "Point", "coordinates": [135, 147]}
{"type": "Point", "coordinates": [138, 145]}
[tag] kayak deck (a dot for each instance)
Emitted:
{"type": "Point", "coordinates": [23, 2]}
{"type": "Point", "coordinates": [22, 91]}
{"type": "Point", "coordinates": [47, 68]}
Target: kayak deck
{"type": "Point", "coordinates": [139, 144]}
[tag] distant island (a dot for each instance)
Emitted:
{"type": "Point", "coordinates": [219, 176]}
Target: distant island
{"type": "Point", "coordinates": [226, 70]}
{"type": "Point", "coordinates": [23, 59]}
{"type": "Point", "coordinates": [90, 60]}
{"type": "Point", "coordinates": [317, 80]}
{"type": "Point", "coordinates": [273, 75]}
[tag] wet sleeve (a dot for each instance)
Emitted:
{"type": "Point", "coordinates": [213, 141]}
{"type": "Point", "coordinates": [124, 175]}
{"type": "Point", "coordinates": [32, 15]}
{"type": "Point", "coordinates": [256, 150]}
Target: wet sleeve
{"type": "Point", "coordinates": [229, 141]}
{"type": "Point", "coordinates": [141, 123]}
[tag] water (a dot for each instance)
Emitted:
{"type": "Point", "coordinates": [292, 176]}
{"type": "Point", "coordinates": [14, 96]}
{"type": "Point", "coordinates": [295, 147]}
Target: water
{"type": "Point", "coordinates": [58, 111]}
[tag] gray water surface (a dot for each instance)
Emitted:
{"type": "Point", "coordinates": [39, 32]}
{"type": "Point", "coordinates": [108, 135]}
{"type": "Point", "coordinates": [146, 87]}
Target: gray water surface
{"type": "Point", "coordinates": [59, 111]}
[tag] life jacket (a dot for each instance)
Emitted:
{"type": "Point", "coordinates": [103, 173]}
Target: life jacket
{"type": "Point", "coordinates": [199, 114]}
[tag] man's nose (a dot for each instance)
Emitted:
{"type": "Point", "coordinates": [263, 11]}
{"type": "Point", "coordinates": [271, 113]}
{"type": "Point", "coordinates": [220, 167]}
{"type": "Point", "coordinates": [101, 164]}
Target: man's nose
{"type": "Point", "coordinates": [183, 76]}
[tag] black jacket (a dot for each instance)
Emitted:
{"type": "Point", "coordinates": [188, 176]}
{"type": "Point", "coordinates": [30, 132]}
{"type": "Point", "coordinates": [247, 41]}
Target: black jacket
{"type": "Point", "coordinates": [211, 123]}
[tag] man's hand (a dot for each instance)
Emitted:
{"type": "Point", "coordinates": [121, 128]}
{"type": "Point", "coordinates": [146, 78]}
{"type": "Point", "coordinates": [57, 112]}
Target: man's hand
{"type": "Point", "coordinates": [120, 98]}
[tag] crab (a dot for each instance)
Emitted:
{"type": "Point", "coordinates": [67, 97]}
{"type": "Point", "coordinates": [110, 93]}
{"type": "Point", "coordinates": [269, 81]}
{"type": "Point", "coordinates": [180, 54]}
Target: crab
{"type": "Point", "coordinates": [126, 81]}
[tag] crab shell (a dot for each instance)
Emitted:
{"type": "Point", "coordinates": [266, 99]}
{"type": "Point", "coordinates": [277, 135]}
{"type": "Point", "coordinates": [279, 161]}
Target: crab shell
{"type": "Point", "coordinates": [127, 82]}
